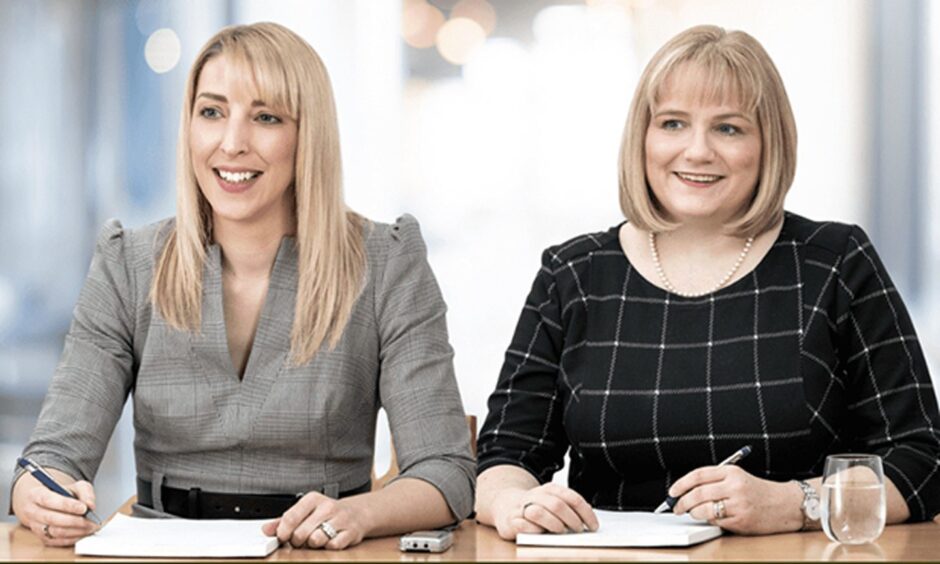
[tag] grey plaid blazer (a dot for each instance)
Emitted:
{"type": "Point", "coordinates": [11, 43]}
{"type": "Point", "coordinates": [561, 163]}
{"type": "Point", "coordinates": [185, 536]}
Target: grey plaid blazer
{"type": "Point", "coordinates": [283, 428]}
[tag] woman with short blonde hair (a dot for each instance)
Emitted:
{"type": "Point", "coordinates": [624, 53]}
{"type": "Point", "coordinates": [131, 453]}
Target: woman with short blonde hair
{"type": "Point", "coordinates": [259, 331]}
{"type": "Point", "coordinates": [711, 322]}
{"type": "Point", "coordinates": [731, 64]}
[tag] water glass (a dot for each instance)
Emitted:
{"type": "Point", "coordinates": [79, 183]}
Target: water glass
{"type": "Point", "coordinates": [853, 498]}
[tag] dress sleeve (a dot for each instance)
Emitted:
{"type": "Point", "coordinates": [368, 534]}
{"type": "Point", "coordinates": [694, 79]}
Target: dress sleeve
{"type": "Point", "coordinates": [892, 407]}
{"type": "Point", "coordinates": [524, 425]}
{"type": "Point", "coordinates": [95, 372]}
{"type": "Point", "coordinates": [417, 386]}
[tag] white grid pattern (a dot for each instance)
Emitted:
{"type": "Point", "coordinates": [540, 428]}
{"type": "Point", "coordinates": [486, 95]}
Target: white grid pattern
{"type": "Point", "coordinates": [654, 384]}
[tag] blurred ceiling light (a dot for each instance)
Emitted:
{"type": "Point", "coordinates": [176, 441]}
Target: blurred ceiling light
{"type": "Point", "coordinates": [479, 11]}
{"type": "Point", "coordinates": [458, 38]}
{"type": "Point", "coordinates": [420, 23]}
{"type": "Point", "coordinates": [162, 51]}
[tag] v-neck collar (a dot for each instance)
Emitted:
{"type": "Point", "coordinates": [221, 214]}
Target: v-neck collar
{"type": "Point", "coordinates": [276, 311]}
{"type": "Point", "coordinates": [271, 344]}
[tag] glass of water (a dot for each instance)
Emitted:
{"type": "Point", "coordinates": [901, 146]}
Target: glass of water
{"type": "Point", "coordinates": [853, 498]}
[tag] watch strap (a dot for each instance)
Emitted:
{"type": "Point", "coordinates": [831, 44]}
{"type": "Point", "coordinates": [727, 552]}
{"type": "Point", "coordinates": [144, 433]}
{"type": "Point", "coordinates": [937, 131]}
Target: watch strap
{"type": "Point", "coordinates": [810, 500]}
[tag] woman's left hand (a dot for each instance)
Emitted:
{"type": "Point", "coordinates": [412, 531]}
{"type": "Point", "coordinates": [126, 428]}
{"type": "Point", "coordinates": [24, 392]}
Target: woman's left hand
{"type": "Point", "coordinates": [309, 522]}
{"type": "Point", "coordinates": [736, 501]}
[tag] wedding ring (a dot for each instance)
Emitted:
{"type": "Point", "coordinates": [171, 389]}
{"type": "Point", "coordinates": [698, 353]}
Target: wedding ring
{"type": "Point", "coordinates": [45, 531]}
{"type": "Point", "coordinates": [719, 508]}
{"type": "Point", "coordinates": [526, 506]}
{"type": "Point", "coordinates": [328, 530]}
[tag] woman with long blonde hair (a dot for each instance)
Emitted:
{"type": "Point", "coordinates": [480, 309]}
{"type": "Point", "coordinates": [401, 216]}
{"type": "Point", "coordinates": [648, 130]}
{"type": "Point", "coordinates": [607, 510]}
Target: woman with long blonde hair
{"type": "Point", "coordinates": [259, 332]}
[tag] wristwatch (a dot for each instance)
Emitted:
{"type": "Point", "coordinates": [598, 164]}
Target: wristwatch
{"type": "Point", "coordinates": [810, 505]}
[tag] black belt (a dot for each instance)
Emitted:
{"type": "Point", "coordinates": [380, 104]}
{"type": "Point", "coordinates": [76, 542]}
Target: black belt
{"type": "Point", "coordinates": [197, 504]}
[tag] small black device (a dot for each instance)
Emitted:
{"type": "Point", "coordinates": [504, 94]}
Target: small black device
{"type": "Point", "coordinates": [426, 541]}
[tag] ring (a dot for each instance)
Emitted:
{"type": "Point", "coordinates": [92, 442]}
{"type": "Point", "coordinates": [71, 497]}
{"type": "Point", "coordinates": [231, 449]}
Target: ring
{"type": "Point", "coordinates": [328, 530]}
{"type": "Point", "coordinates": [45, 531]}
{"type": "Point", "coordinates": [526, 506]}
{"type": "Point", "coordinates": [719, 508]}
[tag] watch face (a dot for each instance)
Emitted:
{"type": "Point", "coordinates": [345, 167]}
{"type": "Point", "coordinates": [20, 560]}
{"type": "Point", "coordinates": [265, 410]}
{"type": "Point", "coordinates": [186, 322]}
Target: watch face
{"type": "Point", "coordinates": [812, 509]}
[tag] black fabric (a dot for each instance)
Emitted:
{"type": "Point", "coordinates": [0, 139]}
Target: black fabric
{"type": "Point", "coordinates": [811, 353]}
{"type": "Point", "coordinates": [197, 504]}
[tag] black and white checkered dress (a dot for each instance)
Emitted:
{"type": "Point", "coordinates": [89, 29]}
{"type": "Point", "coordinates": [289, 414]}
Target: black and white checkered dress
{"type": "Point", "coordinates": [812, 353]}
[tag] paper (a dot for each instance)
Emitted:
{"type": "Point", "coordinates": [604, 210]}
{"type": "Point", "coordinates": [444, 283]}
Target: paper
{"type": "Point", "coordinates": [178, 538]}
{"type": "Point", "coordinates": [631, 528]}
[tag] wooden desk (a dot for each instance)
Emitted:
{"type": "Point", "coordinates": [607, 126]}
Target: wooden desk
{"type": "Point", "coordinates": [474, 542]}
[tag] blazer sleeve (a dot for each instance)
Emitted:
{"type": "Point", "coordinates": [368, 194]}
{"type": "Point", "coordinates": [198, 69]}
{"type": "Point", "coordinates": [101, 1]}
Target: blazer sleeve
{"type": "Point", "coordinates": [524, 426]}
{"type": "Point", "coordinates": [892, 407]}
{"type": "Point", "coordinates": [95, 372]}
{"type": "Point", "coordinates": [417, 386]}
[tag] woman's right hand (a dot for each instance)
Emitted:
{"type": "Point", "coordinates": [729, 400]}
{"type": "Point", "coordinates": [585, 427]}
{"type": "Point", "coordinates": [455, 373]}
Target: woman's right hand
{"type": "Point", "coordinates": [547, 508]}
{"type": "Point", "coordinates": [55, 519]}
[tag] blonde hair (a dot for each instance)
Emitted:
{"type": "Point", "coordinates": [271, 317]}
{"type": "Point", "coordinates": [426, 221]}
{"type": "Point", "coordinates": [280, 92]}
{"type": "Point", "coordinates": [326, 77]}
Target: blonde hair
{"type": "Point", "coordinates": [331, 258]}
{"type": "Point", "coordinates": [734, 66]}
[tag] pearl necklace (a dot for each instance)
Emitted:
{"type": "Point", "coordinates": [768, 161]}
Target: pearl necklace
{"type": "Point", "coordinates": [662, 273]}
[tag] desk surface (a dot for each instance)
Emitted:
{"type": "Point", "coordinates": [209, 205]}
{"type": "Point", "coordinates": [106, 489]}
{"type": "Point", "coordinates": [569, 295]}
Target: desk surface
{"type": "Point", "coordinates": [474, 542]}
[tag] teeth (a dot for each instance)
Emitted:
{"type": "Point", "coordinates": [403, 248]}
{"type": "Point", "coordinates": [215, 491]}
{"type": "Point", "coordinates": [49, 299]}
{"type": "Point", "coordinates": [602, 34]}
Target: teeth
{"type": "Point", "coordinates": [699, 177]}
{"type": "Point", "coordinates": [237, 176]}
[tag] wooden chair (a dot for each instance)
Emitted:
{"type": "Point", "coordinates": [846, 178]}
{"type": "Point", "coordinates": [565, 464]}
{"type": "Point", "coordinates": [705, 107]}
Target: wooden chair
{"type": "Point", "coordinates": [378, 482]}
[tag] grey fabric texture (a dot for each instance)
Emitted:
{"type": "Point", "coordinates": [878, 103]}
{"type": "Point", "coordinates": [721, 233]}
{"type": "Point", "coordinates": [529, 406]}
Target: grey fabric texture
{"type": "Point", "coordinates": [282, 428]}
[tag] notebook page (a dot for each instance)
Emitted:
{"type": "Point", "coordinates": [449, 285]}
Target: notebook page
{"type": "Point", "coordinates": [186, 538]}
{"type": "Point", "coordinates": [631, 528]}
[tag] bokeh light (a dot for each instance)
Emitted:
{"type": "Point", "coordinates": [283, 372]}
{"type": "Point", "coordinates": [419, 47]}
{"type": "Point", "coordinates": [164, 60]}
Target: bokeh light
{"type": "Point", "coordinates": [479, 11]}
{"type": "Point", "coordinates": [458, 38]}
{"type": "Point", "coordinates": [420, 23]}
{"type": "Point", "coordinates": [162, 51]}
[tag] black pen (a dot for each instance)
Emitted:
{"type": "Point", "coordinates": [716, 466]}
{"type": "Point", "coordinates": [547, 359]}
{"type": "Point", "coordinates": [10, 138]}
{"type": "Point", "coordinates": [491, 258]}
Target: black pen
{"type": "Point", "coordinates": [47, 480]}
{"type": "Point", "coordinates": [733, 459]}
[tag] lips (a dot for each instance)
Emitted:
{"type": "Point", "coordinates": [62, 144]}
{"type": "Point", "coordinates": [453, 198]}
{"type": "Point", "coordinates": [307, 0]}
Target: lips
{"type": "Point", "coordinates": [235, 181]}
{"type": "Point", "coordinates": [698, 180]}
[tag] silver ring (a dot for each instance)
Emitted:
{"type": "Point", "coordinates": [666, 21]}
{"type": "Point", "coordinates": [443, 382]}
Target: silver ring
{"type": "Point", "coordinates": [45, 531]}
{"type": "Point", "coordinates": [328, 530]}
{"type": "Point", "coordinates": [719, 508]}
{"type": "Point", "coordinates": [526, 506]}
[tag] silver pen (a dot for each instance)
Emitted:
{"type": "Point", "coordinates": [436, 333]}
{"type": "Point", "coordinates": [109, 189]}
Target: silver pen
{"type": "Point", "coordinates": [733, 459]}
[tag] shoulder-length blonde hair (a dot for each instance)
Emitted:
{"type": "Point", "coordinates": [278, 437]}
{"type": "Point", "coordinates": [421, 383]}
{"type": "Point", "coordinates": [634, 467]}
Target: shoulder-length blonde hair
{"type": "Point", "coordinates": [331, 258]}
{"type": "Point", "coordinates": [733, 65]}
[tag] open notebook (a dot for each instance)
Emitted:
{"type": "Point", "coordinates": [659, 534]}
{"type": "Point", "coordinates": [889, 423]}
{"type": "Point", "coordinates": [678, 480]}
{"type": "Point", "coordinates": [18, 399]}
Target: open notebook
{"type": "Point", "coordinates": [178, 538]}
{"type": "Point", "coordinates": [631, 528]}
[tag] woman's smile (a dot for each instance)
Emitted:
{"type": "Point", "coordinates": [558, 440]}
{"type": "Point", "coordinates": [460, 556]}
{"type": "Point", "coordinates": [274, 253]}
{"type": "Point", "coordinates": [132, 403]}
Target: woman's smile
{"type": "Point", "coordinates": [234, 181]}
{"type": "Point", "coordinates": [698, 180]}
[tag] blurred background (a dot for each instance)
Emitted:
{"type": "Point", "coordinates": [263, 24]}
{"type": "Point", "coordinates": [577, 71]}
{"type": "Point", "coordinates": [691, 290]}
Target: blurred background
{"type": "Point", "coordinates": [496, 123]}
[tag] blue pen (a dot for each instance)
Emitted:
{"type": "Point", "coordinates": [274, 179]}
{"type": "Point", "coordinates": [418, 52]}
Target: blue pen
{"type": "Point", "coordinates": [47, 480]}
{"type": "Point", "coordinates": [733, 459]}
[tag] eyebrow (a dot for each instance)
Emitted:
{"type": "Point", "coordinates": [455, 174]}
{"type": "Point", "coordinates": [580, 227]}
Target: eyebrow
{"type": "Point", "coordinates": [727, 115]}
{"type": "Point", "coordinates": [224, 100]}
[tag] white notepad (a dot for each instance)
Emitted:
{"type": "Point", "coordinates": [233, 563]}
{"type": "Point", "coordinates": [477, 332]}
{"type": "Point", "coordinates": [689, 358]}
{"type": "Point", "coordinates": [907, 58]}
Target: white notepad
{"type": "Point", "coordinates": [178, 538]}
{"type": "Point", "coordinates": [631, 528]}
